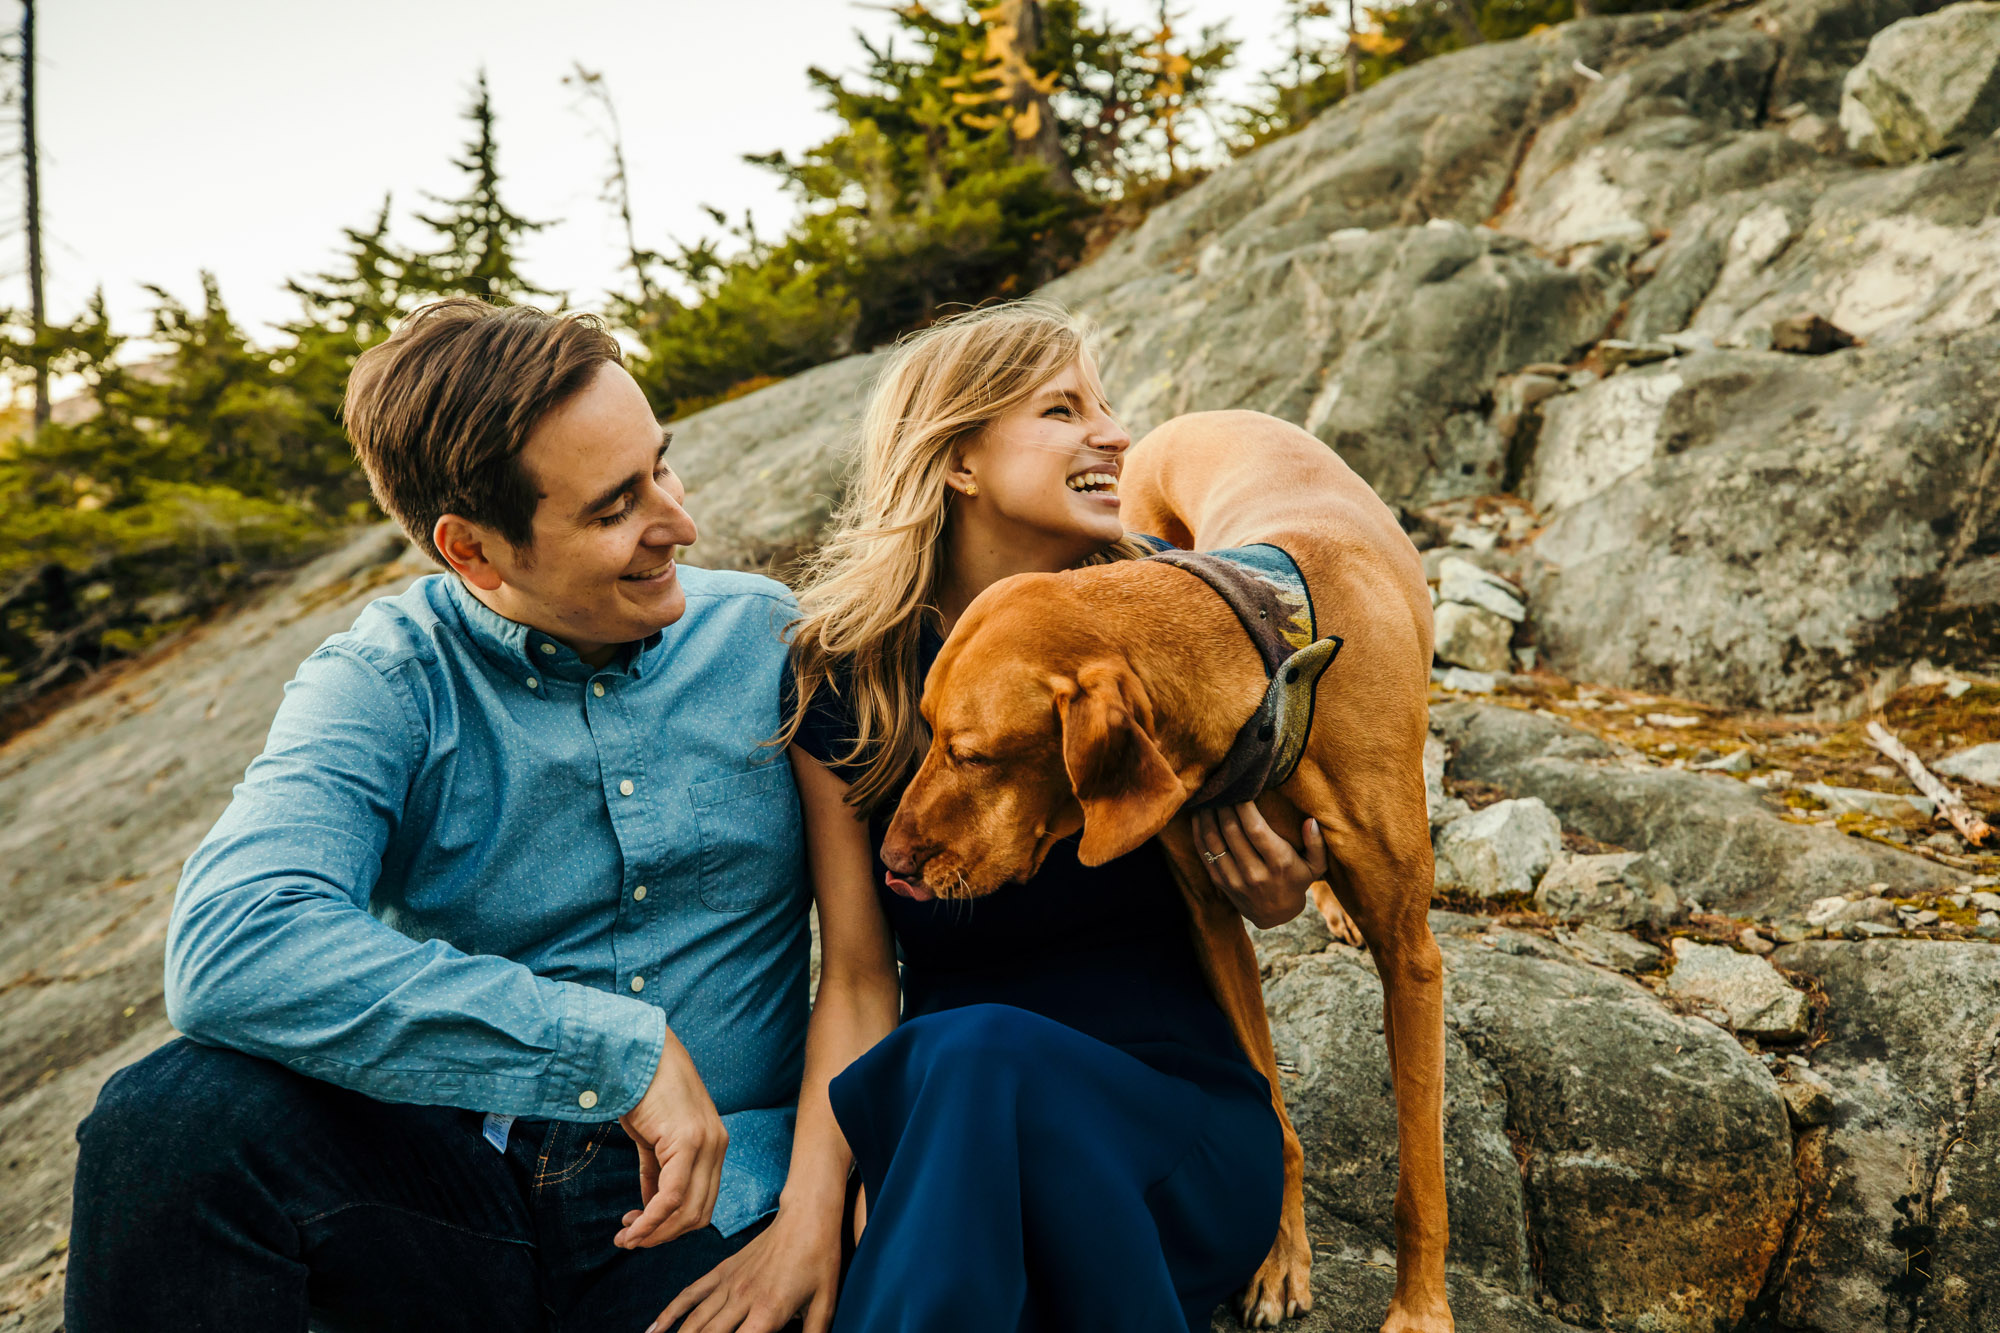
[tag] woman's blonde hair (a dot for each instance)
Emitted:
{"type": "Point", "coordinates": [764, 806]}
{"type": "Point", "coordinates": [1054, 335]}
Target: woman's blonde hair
{"type": "Point", "coordinates": [867, 590]}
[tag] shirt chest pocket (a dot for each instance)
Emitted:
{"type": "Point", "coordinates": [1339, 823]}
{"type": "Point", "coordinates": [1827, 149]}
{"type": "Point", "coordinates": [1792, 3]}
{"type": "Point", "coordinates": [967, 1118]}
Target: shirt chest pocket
{"type": "Point", "coordinates": [751, 845]}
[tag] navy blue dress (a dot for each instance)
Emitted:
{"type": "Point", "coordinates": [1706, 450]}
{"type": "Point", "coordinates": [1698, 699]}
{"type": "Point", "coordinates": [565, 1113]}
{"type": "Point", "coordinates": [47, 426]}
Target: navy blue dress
{"type": "Point", "coordinates": [1064, 1132]}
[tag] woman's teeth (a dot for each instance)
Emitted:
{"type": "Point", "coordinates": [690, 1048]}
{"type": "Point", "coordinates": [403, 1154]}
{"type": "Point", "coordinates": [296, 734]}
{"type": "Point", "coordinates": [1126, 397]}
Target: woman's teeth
{"type": "Point", "coordinates": [1094, 482]}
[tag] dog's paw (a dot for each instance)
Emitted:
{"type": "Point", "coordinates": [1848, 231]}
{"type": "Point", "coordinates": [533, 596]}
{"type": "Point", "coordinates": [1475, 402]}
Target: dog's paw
{"type": "Point", "coordinates": [1338, 923]}
{"type": "Point", "coordinates": [1281, 1289]}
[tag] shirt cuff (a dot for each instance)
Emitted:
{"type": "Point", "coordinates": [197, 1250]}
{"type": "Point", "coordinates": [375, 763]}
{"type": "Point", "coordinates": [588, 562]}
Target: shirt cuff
{"type": "Point", "coordinates": [609, 1050]}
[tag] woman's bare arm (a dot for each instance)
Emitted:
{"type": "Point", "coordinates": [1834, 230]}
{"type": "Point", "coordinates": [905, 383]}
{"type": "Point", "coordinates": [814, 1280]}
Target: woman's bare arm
{"type": "Point", "coordinates": [794, 1265]}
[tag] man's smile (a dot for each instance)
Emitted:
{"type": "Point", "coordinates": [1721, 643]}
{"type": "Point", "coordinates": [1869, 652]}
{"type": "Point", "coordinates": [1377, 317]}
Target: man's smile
{"type": "Point", "coordinates": [655, 574]}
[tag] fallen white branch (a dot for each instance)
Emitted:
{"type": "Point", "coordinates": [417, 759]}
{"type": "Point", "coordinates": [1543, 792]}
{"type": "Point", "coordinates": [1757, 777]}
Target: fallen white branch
{"type": "Point", "coordinates": [1949, 803]}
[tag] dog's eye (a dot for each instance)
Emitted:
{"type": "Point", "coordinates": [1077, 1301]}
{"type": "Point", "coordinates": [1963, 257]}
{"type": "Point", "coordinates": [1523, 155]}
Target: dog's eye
{"type": "Point", "coordinates": [970, 760]}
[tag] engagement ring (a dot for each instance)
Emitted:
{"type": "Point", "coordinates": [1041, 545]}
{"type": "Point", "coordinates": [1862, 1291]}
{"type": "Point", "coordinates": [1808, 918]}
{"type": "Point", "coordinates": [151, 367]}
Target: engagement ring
{"type": "Point", "coordinates": [1213, 857]}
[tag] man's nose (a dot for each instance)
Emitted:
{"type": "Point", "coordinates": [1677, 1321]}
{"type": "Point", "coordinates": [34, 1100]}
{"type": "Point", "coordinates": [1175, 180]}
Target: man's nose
{"type": "Point", "coordinates": [673, 526]}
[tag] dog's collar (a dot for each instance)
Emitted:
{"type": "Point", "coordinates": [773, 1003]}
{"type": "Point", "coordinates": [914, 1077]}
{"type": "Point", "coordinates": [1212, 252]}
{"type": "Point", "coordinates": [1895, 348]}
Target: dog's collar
{"type": "Point", "coordinates": [1265, 589]}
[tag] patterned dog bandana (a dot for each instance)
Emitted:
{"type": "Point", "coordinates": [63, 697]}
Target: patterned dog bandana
{"type": "Point", "coordinates": [1265, 589]}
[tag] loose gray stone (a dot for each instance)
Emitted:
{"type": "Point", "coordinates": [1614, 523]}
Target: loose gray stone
{"type": "Point", "coordinates": [1500, 850]}
{"type": "Point", "coordinates": [1472, 637]}
{"type": "Point", "coordinates": [1840, 911]}
{"type": "Point", "coordinates": [1443, 808]}
{"type": "Point", "coordinates": [1808, 1098]}
{"type": "Point", "coordinates": [1736, 761]}
{"type": "Point", "coordinates": [1465, 682]}
{"type": "Point", "coordinates": [1978, 763]}
{"type": "Point", "coordinates": [1616, 891]}
{"type": "Point", "coordinates": [1463, 581]}
{"type": "Point", "coordinates": [1861, 800]}
{"type": "Point", "coordinates": [1757, 1001]}
{"type": "Point", "coordinates": [1610, 948]}
{"type": "Point", "coordinates": [1927, 84]}
{"type": "Point", "coordinates": [1619, 352]}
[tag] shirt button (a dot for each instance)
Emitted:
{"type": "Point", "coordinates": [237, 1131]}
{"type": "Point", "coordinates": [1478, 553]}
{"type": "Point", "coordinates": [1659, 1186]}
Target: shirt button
{"type": "Point", "coordinates": [586, 1099]}
{"type": "Point", "coordinates": [532, 682]}
{"type": "Point", "coordinates": [597, 688]}
{"type": "Point", "coordinates": [548, 648]}
{"type": "Point", "coordinates": [638, 983]}
{"type": "Point", "coordinates": [625, 787]}
{"type": "Point", "coordinates": [639, 894]}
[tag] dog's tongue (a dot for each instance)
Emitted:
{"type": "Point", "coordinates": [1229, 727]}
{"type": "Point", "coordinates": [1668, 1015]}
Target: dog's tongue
{"type": "Point", "coordinates": [897, 884]}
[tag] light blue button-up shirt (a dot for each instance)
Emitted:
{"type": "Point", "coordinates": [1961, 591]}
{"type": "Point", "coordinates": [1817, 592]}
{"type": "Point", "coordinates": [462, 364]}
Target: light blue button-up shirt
{"type": "Point", "coordinates": [470, 870]}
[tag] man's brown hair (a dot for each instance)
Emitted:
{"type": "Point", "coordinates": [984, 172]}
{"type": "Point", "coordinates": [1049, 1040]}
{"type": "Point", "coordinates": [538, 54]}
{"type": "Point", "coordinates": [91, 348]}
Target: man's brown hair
{"type": "Point", "coordinates": [439, 413]}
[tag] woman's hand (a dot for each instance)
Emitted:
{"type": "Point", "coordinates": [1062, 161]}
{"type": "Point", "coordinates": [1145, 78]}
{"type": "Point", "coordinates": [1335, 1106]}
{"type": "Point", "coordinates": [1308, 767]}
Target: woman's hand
{"type": "Point", "coordinates": [1255, 868]}
{"type": "Point", "coordinates": [792, 1267]}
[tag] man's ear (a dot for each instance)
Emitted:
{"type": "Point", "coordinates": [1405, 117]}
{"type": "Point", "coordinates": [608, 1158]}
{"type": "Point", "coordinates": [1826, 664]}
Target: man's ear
{"type": "Point", "coordinates": [1125, 785]}
{"type": "Point", "coordinates": [463, 544]}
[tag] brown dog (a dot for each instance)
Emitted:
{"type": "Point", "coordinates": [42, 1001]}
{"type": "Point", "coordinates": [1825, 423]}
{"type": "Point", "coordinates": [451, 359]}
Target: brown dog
{"type": "Point", "coordinates": [1102, 698]}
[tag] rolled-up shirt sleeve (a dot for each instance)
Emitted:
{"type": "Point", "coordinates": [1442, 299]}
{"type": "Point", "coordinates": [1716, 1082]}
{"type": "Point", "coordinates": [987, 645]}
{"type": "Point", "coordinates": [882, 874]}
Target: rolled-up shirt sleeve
{"type": "Point", "coordinates": [272, 949]}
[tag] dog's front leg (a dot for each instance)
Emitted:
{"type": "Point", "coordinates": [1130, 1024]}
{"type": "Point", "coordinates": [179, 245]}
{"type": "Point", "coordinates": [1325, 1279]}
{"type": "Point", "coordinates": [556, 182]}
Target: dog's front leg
{"type": "Point", "coordinates": [1407, 958]}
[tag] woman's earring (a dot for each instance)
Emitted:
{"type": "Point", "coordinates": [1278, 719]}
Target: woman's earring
{"type": "Point", "coordinates": [972, 488]}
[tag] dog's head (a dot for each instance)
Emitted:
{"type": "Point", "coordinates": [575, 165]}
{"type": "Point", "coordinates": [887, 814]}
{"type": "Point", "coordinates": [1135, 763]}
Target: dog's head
{"type": "Point", "coordinates": [1039, 728]}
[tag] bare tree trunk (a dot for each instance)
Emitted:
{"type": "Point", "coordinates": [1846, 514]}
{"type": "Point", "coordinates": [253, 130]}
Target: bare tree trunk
{"type": "Point", "coordinates": [1014, 38]}
{"type": "Point", "coordinates": [1466, 20]}
{"type": "Point", "coordinates": [31, 156]}
{"type": "Point", "coordinates": [1353, 55]}
{"type": "Point", "coordinates": [618, 185]}
{"type": "Point", "coordinates": [1582, 9]}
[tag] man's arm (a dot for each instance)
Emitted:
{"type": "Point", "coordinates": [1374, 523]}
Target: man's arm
{"type": "Point", "coordinates": [272, 951]}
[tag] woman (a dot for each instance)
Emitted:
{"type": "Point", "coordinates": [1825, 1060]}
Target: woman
{"type": "Point", "coordinates": [1063, 1131]}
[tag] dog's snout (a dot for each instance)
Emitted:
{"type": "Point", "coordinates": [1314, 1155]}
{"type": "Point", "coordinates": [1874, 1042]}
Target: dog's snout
{"type": "Point", "coordinates": [899, 854]}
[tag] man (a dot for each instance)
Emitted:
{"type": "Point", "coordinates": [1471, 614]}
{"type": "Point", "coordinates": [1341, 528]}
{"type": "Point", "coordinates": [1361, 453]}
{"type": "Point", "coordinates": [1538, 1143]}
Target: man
{"type": "Point", "coordinates": [511, 874]}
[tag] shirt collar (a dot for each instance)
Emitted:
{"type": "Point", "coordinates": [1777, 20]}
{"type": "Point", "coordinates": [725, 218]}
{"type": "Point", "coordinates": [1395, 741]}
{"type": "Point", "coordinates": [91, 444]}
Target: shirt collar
{"type": "Point", "coordinates": [534, 653]}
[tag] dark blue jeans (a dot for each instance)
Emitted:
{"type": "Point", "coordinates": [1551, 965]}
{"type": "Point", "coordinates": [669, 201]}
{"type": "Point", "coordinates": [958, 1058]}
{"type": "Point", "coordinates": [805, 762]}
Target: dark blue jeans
{"type": "Point", "coordinates": [215, 1190]}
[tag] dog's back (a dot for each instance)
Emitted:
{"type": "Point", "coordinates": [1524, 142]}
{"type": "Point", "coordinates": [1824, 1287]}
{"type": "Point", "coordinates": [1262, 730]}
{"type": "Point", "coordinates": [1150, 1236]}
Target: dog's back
{"type": "Point", "coordinates": [1218, 480]}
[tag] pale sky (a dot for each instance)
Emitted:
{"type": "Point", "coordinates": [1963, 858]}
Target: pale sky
{"type": "Point", "coordinates": [241, 135]}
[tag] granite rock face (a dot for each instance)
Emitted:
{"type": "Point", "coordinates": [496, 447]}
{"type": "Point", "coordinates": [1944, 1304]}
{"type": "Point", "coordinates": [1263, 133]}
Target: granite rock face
{"type": "Point", "coordinates": [1718, 519]}
{"type": "Point", "coordinates": [1900, 1190]}
{"type": "Point", "coordinates": [1623, 1165]}
{"type": "Point", "coordinates": [99, 805]}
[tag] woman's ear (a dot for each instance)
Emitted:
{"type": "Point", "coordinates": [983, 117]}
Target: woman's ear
{"type": "Point", "coordinates": [959, 476]}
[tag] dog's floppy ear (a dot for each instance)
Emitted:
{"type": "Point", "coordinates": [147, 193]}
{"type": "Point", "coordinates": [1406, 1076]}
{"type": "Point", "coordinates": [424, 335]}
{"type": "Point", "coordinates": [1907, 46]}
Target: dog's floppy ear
{"type": "Point", "coordinates": [1127, 790]}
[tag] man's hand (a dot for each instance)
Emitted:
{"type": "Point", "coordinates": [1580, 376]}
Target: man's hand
{"type": "Point", "coordinates": [792, 1268]}
{"type": "Point", "coordinates": [681, 1142]}
{"type": "Point", "coordinates": [1255, 868]}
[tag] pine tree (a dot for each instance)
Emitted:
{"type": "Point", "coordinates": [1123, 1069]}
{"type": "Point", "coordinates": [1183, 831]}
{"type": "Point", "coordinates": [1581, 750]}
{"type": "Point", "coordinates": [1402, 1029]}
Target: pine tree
{"type": "Point", "coordinates": [377, 285]}
{"type": "Point", "coordinates": [481, 235]}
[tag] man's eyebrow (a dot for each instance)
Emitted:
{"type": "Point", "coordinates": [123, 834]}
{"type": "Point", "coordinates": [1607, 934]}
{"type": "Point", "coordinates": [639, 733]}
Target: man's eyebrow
{"type": "Point", "coordinates": [607, 497]}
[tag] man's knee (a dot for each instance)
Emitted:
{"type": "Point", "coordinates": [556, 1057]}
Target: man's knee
{"type": "Point", "coordinates": [186, 1109]}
